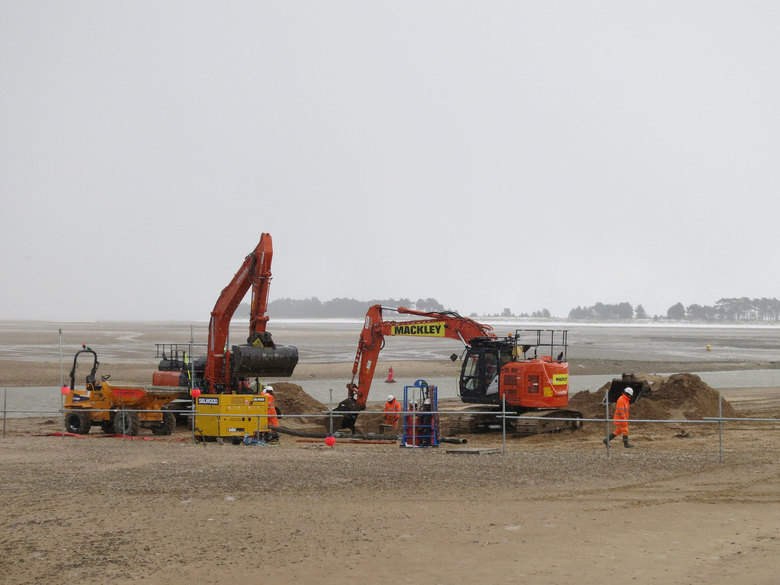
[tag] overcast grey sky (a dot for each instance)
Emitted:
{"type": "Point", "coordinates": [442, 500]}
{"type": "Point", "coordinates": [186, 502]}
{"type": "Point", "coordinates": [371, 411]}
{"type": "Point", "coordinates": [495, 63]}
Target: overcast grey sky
{"type": "Point", "coordinates": [489, 154]}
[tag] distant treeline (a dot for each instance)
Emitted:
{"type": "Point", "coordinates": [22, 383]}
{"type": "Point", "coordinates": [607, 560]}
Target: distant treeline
{"type": "Point", "coordinates": [724, 310]}
{"type": "Point", "coordinates": [336, 308]}
{"type": "Point", "coordinates": [607, 312]}
{"type": "Point", "coordinates": [728, 309]}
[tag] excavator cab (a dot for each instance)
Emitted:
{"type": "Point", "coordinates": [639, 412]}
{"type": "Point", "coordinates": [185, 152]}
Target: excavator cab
{"type": "Point", "coordinates": [528, 369]}
{"type": "Point", "coordinates": [479, 378]}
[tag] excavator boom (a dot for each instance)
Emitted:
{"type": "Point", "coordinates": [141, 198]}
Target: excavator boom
{"type": "Point", "coordinates": [375, 329]}
{"type": "Point", "coordinates": [259, 356]}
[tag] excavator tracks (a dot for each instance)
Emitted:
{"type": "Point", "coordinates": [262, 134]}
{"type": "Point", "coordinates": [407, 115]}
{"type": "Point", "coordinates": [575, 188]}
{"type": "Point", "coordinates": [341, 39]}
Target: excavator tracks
{"type": "Point", "coordinates": [471, 420]}
{"type": "Point", "coordinates": [546, 421]}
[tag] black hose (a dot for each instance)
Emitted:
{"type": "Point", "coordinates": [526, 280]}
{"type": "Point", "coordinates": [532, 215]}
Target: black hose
{"type": "Point", "coordinates": [309, 434]}
{"type": "Point", "coordinates": [339, 435]}
{"type": "Point", "coordinates": [453, 440]}
{"type": "Point", "coordinates": [364, 437]}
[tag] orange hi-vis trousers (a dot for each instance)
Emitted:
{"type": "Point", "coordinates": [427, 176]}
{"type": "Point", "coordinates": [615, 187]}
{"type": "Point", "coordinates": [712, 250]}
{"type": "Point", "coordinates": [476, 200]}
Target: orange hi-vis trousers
{"type": "Point", "coordinates": [621, 415]}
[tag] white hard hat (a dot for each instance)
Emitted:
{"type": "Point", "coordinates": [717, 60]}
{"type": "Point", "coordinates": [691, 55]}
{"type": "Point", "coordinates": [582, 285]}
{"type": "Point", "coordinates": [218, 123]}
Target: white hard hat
{"type": "Point", "coordinates": [390, 397]}
{"type": "Point", "coordinates": [629, 391]}
{"type": "Point", "coordinates": [269, 388]}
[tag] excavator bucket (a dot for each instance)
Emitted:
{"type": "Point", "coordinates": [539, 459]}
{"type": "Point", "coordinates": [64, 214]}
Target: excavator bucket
{"type": "Point", "coordinates": [640, 386]}
{"type": "Point", "coordinates": [249, 361]}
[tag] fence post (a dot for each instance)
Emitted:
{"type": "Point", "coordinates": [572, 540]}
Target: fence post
{"type": "Point", "coordinates": [606, 419]}
{"type": "Point", "coordinates": [62, 396]}
{"type": "Point", "coordinates": [720, 427]}
{"type": "Point", "coordinates": [503, 424]}
{"type": "Point", "coordinates": [330, 411]}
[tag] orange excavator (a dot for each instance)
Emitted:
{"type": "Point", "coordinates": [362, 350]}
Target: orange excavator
{"type": "Point", "coordinates": [527, 371]}
{"type": "Point", "coordinates": [229, 369]}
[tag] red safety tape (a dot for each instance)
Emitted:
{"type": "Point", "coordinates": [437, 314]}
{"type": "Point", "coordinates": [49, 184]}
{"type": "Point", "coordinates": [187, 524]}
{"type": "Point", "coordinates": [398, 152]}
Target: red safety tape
{"type": "Point", "coordinates": [113, 436]}
{"type": "Point", "coordinates": [357, 441]}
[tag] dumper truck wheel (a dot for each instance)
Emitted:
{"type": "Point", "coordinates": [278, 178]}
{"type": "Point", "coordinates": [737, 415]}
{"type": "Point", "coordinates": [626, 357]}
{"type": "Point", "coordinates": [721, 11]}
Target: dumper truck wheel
{"type": "Point", "coordinates": [169, 420]}
{"type": "Point", "coordinates": [126, 423]}
{"type": "Point", "coordinates": [78, 423]}
{"type": "Point", "coordinates": [107, 426]}
{"type": "Point", "coordinates": [167, 425]}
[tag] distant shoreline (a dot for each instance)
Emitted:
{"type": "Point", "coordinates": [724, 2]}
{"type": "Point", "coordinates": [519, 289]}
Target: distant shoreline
{"type": "Point", "coordinates": [21, 373]}
{"type": "Point", "coordinates": [558, 323]}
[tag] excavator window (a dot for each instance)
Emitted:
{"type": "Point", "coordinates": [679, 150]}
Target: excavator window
{"type": "Point", "coordinates": [470, 378]}
{"type": "Point", "coordinates": [491, 373]}
{"type": "Point", "coordinates": [481, 371]}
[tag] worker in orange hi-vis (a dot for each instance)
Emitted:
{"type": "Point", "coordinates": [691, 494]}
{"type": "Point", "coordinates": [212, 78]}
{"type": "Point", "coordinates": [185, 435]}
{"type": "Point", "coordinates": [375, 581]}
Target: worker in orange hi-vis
{"type": "Point", "coordinates": [622, 409]}
{"type": "Point", "coordinates": [392, 411]}
{"type": "Point", "coordinates": [272, 420]}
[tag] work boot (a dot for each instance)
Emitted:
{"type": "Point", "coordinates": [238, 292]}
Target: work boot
{"type": "Point", "coordinates": [608, 439]}
{"type": "Point", "coordinates": [625, 442]}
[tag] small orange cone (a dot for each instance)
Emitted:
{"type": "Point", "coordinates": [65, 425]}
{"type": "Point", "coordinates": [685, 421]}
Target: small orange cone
{"type": "Point", "coordinates": [390, 378]}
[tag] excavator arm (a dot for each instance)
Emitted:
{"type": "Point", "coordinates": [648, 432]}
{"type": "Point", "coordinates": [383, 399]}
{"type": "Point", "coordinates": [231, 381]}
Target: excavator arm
{"type": "Point", "coordinates": [259, 356]}
{"type": "Point", "coordinates": [375, 329]}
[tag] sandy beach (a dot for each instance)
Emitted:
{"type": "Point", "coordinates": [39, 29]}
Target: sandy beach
{"type": "Point", "coordinates": [551, 509]}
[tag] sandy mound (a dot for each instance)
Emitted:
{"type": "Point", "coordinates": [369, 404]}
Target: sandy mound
{"type": "Point", "coordinates": [680, 396]}
{"type": "Point", "coordinates": [686, 393]}
{"type": "Point", "coordinates": [291, 399]}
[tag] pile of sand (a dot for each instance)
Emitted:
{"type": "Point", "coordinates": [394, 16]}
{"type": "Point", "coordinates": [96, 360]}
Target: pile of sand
{"type": "Point", "coordinates": [291, 399]}
{"type": "Point", "coordinates": [679, 396]}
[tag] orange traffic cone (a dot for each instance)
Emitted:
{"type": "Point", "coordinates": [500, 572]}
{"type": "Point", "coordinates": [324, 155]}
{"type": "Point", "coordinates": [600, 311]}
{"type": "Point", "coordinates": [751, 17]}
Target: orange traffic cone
{"type": "Point", "coordinates": [390, 378]}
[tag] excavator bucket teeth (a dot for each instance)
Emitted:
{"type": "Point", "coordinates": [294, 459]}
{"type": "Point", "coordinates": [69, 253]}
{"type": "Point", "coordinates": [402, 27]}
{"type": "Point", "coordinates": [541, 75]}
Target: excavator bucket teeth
{"type": "Point", "coordinates": [249, 361]}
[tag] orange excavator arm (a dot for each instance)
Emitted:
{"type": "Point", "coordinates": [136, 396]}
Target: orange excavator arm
{"type": "Point", "coordinates": [259, 355]}
{"type": "Point", "coordinates": [375, 328]}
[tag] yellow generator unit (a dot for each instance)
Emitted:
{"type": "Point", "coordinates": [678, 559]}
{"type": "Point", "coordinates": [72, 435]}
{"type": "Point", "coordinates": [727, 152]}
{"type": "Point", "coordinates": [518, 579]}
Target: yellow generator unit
{"type": "Point", "coordinates": [230, 416]}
